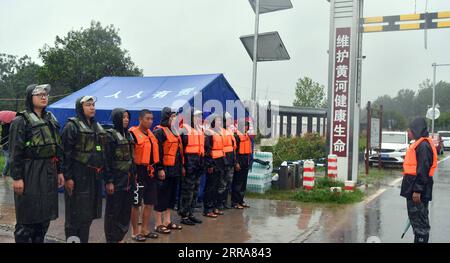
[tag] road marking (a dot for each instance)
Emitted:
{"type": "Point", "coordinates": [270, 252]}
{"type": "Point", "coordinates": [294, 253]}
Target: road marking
{"type": "Point", "coordinates": [375, 195]}
{"type": "Point", "coordinates": [445, 159]}
{"type": "Point", "coordinates": [381, 191]}
{"type": "Point", "coordinates": [393, 183]}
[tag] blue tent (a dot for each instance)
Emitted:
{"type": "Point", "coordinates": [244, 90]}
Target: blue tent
{"type": "Point", "coordinates": [153, 93]}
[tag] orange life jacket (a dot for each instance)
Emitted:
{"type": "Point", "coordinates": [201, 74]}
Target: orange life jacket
{"type": "Point", "coordinates": [196, 141]}
{"type": "Point", "coordinates": [170, 147]}
{"type": "Point", "coordinates": [146, 146]}
{"type": "Point", "coordinates": [245, 145]}
{"type": "Point", "coordinates": [410, 163]}
{"type": "Point", "coordinates": [229, 142]}
{"type": "Point", "coordinates": [217, 145]}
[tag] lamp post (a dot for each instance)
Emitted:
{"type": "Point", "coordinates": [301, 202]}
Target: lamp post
{"type": "Point", "coordinates": [433, 105]}
{"type": "Point", "coordinates": [262, 7]}
{"type": "Point", "coordinates": [255, 50]}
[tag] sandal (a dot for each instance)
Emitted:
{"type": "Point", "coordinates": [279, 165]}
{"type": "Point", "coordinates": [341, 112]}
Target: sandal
{"type": "Point", "coordinates": [138, 238]}
{"type": "Point", "coordinates": [244, 205]}
{"type": "Point", "coordinates": [218, 212]}
{"type": "Point", "coordinates": [238, 206]}
{"type": "Point", "coordinates": [151, 235]}
{"type": "Point", "coordinates": [162, 229]}
{"type": "Point", "coordinates": [210, 214]}
{"type": "Point", "coordinates": [174, 226]}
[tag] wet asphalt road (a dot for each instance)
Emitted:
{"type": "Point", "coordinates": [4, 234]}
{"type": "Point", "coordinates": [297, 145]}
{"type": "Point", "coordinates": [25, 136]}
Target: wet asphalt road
{"type": "Point", "coordinates": [382, 215]}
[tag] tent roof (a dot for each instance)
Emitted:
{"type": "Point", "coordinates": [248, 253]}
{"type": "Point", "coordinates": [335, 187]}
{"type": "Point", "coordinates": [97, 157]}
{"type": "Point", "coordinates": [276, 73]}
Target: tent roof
{"type": "Point", "coordinates": [135, 93]}
{"type": "Point", "coordinates": [153, 93]}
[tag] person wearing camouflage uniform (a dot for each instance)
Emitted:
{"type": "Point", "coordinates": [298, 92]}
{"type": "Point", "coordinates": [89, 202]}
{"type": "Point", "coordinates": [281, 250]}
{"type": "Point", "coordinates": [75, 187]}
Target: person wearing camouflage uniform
{"type": "Point", "coordinates": [193, 140]}
{"type": "Point", "coordinates": [419, 167]}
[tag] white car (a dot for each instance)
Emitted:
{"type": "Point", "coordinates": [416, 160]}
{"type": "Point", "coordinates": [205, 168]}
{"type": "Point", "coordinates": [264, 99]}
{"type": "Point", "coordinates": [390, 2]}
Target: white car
{"type": "Point", "coordinates": [445, 136]}
{"type": "Point", "coordinates": [393, 148]}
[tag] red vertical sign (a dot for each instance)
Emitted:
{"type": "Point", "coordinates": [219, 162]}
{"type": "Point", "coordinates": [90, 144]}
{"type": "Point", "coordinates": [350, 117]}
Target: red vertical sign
{"type": "Point", "coordinates": [340, 92]}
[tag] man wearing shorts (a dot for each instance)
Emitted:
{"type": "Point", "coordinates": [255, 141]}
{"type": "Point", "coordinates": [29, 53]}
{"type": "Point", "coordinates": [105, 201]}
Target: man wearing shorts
{"type": "Point", "coordinates": [146, 154]}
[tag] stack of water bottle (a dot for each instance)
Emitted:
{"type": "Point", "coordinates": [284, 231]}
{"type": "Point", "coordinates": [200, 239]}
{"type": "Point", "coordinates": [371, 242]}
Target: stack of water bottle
{"type": "Point", "coordinates": [260, 177]}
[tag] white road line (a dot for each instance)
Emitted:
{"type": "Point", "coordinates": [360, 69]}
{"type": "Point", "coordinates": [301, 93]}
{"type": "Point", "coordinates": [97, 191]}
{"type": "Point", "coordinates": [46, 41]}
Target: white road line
{"type": "Point", "coordinates": [393, 183]}
{"type": "Point", "coordinates": [375, 195]}
{"type": "Point", "coordinates": [445, 159]}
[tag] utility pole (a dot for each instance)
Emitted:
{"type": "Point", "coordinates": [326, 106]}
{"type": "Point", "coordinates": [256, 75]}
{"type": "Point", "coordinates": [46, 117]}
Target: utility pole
{"type": "Point", "coordinates": [433, 105]}
{"type": "Point", "coordinates": [255, 50]}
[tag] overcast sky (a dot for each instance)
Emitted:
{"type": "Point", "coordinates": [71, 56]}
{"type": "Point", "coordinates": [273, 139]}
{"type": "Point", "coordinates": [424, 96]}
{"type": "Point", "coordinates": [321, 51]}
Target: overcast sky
{"type": "Point", "coordinates": [172, 37]}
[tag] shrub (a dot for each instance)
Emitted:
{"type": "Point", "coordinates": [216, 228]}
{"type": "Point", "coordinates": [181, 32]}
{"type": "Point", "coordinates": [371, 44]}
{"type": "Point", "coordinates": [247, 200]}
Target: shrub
{"type": "Point", "coordinates": [309, 146]}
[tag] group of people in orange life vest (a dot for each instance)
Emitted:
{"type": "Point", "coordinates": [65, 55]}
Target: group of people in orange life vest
{"type": "Point", "coordinates": [170, 161]}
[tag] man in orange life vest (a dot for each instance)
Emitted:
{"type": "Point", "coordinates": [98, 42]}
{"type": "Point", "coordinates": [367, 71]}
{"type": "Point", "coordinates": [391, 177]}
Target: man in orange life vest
{"type": "Point", "coordinates": [170, 169]}
{"type": "Point", "coordinates": [243, 153]}
{"type": "Point", "coordinates": [215, 164]}
{"type": "Point", "coordinates": [193, 140]}
{"type": "Point", "coordinates": [417, 186]}
{"type": "Point", "coordinates": [229, 148]}
{"type": "Point", "coordinates": [146, 155]}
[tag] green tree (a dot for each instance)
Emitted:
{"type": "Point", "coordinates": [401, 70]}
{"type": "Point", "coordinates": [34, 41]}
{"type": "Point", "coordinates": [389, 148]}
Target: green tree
{"type": "Point", "coordinates": [386, 101]}
{"type": "Point", "coordinates": [84, 56]}
{"type": "Point", "coordinates": [425, 96]}
{"type": "Point", "coordinates": [394, 121]}
{"type": "Point", "coordinates": [411, 104]}
{"type": "Point", "coordinates": [443, 122]}
{"type": "Point", "coordinates": [15, 75]}
{"type": "Point", "coordinates": [309, 94]}
{"type": "Point", "coordinates": [405, 103]}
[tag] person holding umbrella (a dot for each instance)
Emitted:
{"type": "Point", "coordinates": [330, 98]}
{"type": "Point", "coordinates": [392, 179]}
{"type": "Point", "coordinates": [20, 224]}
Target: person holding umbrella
{"type": "Point", "coordinates": [419, 167]}
{"type": "Point", "coordinates": [6, 118]}
{"type": "Point", "coordinates": [36, 154]}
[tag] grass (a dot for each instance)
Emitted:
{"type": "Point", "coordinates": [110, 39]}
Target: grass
{"type": "Point", "coordinates": [2, 162]}
{"type": "Point", "coordinates": [273, 195]}
{"type": "Point", "coordinates": [319, 194]}
{"type": "Point", "coordinates": [326, 196]}
{"type": "Point", "coordinates": [362, 143]}
{"type": "Point", "coordinates": [376, 175]}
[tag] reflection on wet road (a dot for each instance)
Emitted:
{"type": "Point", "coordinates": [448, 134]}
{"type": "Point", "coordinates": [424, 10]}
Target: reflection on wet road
{"type": "Point", "coordinates": [283, 221]}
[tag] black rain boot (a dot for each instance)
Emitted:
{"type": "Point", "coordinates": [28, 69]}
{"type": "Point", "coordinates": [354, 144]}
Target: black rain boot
{"type": "Point", "coordinates": [421, 238]}
{"type": "Point", "coordinates": [195, 220]}
{"type": "Point", "coordinates": [187, 221]}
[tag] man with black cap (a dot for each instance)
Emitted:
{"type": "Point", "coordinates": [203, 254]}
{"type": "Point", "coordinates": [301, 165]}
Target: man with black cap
{"type": "Point", "coordinates": [193, 140]}
{"type": "Point", "coordinates": [36, 154]}
{"type": "Point", "coordinates": [170, 169]}
{"type": "Point", "coordinates": [215, 165]}
{"type": "Point", "coordinates": [84, 142]}
{"type": "Point", "coordinates": [244, 159]}
{"type": "Point", "coordinates": [229, 149]}
{"type": "Point", "coordinates": [419, 167]}
{"type": "Point", "coordinates": [119, 177]}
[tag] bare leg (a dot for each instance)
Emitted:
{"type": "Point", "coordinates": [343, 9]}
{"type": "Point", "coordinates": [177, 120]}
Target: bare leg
{"type": "Point", "coordinates": [158, 219]}
{"type": "Point", "coordinates": [146, 219]}
{"type": "Point", "coordinates": [167, 220]}
{"type": "Point", "coordinates": [134, 220]}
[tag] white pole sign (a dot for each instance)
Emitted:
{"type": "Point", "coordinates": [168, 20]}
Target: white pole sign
{"type": "Point", "coordinates": [344, 108]}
